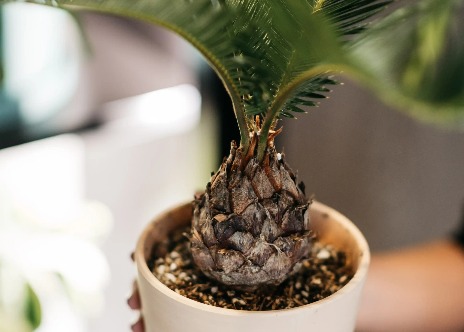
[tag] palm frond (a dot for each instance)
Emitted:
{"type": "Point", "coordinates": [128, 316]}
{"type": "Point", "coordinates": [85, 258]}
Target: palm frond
{"type": "Point", "coordinates": [349, 18]}
{"type": "Point", "coordinates": [275, 56]}
{"type": "Point", "coordinates": [312, 45]}
{"type": "Point", "coordinates": [262, 49]}
{"type": "Point", "coordinates": [414, 60]}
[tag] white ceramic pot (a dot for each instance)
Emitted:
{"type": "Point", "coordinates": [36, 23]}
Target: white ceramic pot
{"type": "Point", "coordinates": [166, 311]}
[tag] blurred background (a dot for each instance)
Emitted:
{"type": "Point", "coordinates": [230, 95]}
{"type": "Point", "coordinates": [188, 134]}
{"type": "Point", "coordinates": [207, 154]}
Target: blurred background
{"type": "Point", "coordinates": [105, 122]}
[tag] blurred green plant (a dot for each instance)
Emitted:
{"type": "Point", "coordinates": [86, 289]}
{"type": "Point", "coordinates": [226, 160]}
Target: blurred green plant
{"type": "Point", "coordinates": [33, 308]}
{"type": "Point", "coordinates": [22, 311]}
{"type": "Point", "coordinates": [34, 279]}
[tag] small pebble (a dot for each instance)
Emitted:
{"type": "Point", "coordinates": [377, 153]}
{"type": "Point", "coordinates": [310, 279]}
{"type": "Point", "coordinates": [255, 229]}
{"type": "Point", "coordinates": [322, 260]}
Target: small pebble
{"type": "Point", "coordinates": [316, 281]}
{"type": "Point", "coordinates": [239, 301]}
{"type": "Point", "coordinates": [323, 254]}
{"type": "Point", "coordinates": [174, 255]}
{"type": "Point", "coordinates": [170, 277]}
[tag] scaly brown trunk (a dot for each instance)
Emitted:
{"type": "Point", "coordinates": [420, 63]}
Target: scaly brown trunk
{"type": "Point", "coordinates": [250, 228]}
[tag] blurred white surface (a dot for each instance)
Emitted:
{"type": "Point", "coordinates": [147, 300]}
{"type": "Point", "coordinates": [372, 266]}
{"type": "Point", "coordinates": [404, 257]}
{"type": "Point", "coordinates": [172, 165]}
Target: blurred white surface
{"type": "Point", "coordinates": [155, 149]}
{"type": "Point", "coordinates": [139, 168]}
{"type": "Point", "coordinates": [49, 232]}
{"type": "Point", "coordinates": [46, 177]}
{"type": "Point", "coordinates": [136, 166]}
{"type": "Point", "coordinates": [158, 113]}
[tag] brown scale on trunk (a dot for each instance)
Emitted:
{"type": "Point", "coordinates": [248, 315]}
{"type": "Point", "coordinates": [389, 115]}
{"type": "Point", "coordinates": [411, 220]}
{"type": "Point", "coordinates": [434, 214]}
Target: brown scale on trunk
{"type": "Point", "coordinates": [250, 228]}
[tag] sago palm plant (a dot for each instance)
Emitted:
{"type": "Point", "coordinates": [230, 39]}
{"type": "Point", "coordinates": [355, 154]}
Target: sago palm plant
{"type": "Point", "coordinates": [275, 57]}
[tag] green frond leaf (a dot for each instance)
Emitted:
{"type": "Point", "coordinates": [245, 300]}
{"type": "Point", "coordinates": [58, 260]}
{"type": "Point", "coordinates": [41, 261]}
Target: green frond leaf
{"type": "Point", "coordinates": [261, 49]}
{"type": "Point", "coordinates": [275, 56]}
{"type": "Point", "coordinates": [317, 49]}
{"type": "Point", "coordinates": [414, 60]}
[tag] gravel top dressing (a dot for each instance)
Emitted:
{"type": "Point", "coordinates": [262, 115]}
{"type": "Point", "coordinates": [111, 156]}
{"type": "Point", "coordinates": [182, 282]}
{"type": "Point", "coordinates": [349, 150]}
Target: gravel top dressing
{"type": "Point", "coordinates": [321, 275]}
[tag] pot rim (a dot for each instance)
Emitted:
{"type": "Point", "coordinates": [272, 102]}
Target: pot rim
{"type": "Point", "coordinates": [358, 276]}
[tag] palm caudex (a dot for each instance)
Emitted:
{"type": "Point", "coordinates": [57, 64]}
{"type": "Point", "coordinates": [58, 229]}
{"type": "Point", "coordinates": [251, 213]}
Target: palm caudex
{"type": "Point", "coordinates": [274, 58]}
